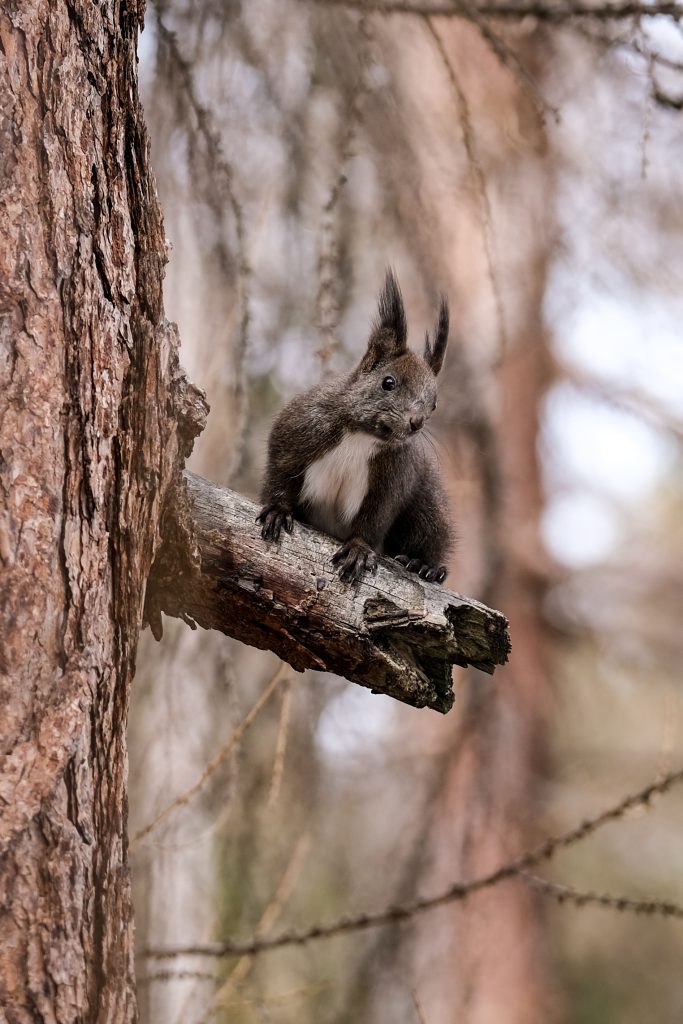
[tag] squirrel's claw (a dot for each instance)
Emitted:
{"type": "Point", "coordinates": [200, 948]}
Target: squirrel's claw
{"type": "Point", "coordinates": [430, 573]}
{"type": "Point", "coordinates": [273, 519]}
{"type": "Point", "coordinates": [356, 557]}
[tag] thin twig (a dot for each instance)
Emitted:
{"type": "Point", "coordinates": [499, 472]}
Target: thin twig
{"type": "Point", "coordinates": [647, 118]}
{"type": "Point", "coordinates": [509, 59]}
{"type": "Point", "coordinates": [634, 401]}
{"type": "Point", "coordinates": [327, 299]}
{"type": "Point", "coordinates": [418, 1007]}
{"type": "Point", "coordinates": [223, 172]}
{"type": "Point", "coordinates": [470, 142]}
{"type": "Point", "coordinates": [185, 797]}
{"type": "Point", "coordinates": [266, 922]}
{"type": "Point", "coordinates": [667, 101]}
{"type": "Point", "coordinates": [478, 16]}
{"type": "Point", "coordinates": [181, 974]}
{"type": "Point", "coordinates": [178, 975]}
{"type": "Point", "coordinates": [280, 747]}
{"type": "Point", "coordinates": [455, 893]}
{"type": "Point", "coordinates": [633, 45]}
{"type": "Point", "coordinates": [580, 898]}
{"type": "Point", "coordinates": [510, 11]}
{"type": "Point", "coordinates": [654, 60]}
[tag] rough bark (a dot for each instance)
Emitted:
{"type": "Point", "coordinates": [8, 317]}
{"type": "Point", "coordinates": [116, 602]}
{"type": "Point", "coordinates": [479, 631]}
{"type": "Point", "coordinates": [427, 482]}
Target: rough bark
{"type": "Point", "coordinates": [392, 632]}
{"type": "Point", "coordinates": [90, 397]}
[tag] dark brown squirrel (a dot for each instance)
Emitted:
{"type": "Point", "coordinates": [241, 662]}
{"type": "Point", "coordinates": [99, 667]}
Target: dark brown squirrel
{"type": "Point", "coordinates": [346, 458]}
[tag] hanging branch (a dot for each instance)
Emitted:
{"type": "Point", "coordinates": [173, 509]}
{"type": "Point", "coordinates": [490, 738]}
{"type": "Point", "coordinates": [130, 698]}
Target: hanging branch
{"type": "Point", "coordinates": [327, 299]}
{"type": "Point", "coordinates": [392, 632]}
{"type": "Point", "coordinates": [219, 187]}
{"type": "Point", "coordinates": [216, 761]}
{"type": "Point", "coordinates": [607, 901]}
{"type": "Point", "coordinates": [478, 176]}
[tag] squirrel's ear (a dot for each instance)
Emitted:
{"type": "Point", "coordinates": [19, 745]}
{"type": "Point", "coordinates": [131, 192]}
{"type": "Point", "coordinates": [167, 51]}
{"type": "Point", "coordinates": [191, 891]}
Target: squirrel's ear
{"type": "Point", "coordinates": [389, 337]}
{"type": "Point", "coordinates": [434, 353]}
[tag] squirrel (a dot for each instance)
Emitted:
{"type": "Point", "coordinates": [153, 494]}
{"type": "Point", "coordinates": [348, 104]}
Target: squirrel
{"type": "Point", "coordinates": [345, 458]}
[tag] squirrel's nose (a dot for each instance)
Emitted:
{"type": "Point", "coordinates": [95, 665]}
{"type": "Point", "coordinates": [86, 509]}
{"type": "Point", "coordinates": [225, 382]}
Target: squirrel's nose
{"type": "Point", "coordinates": [416, 422]}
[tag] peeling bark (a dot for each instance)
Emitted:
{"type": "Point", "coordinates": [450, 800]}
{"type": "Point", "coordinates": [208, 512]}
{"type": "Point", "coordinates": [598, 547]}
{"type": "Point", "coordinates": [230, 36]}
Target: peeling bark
{"type": "Point", "coordinates": [392, 632]}
{"type": "Point", "coordinates": [90, 401]}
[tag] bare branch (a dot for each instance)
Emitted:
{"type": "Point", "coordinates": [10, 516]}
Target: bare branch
{"type": "Point", "coordinates": [663, 99]}
{"type": "Point", "coordinates": [418, 1007]}
{"type": "Point", "coordinates": [632, 44]}
{"type": "Point", "coordinates": [327, 299]}
{"type": "Point", "coordinates": [635, 401]}
{"type": "Point", "coordinates": [511, 11]}
{"type": "Point", "coordinates": [222, 181]}
{"type": "Point", "coordinates": [280, 747]}
{"type": "Point", "coordinates": [479, 178]}
{"type": "Point", "coordinates": [268, 919]}
{"type": "Point", "coordinates": [646, 132]}
{"type": "Point", "coordinates": [215, 762]}
{"type": "Point", "coordinates": [579, 898]}
{"type": "Point", "coordinates": [178, 975]}
{"type": "Point", "coordinates": [509, 59]}
{"type": "Point", "coordinates": [455, 893]}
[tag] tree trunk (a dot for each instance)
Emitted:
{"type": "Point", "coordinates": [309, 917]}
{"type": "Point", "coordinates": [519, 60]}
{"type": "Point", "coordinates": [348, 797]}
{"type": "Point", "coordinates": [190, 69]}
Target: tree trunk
{"type": "Point", "coordinates": [90, 402]}
{"type": "Point", "coordinates": [486, 961]}
{"type": "Point", "coordinates": [494, 784]}
{"type": "Point", "coordinates": [493, 792]}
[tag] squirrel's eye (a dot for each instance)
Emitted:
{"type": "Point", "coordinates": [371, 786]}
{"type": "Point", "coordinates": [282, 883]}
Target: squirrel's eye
{"type": "Point", "coordinates": [389, 383]}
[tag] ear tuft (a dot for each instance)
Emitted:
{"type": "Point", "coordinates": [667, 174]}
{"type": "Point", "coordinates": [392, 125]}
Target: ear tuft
{"type": "Point", "coordinates": [389, 335]}
{"type": "Point", "coordinates": [391, 312]}
{"type": "Point", "coordinates": [434, 353]}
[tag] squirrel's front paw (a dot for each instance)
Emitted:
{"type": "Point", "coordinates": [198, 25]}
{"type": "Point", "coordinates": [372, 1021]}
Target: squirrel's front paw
{"type": "Point", "coordinates": [355, 557]}
{"type": "Point", "coordinates": [431, 573]}
{"type": "Point", "coordinates": [274, 518]}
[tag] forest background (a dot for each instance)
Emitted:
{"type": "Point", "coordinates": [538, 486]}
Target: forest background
{"type": "Point", "coordinates": [529, 169]}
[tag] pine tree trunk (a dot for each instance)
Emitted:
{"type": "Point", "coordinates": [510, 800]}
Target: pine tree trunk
{"type": "Point", "coordinates": [89, 445]}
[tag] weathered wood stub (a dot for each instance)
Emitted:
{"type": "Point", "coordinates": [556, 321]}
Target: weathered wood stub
{"type": "Point", "coordinates": [392, 632]}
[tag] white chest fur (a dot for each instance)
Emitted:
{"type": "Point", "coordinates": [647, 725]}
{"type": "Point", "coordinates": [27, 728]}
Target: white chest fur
{"type": "Point", "coordinates": [335, 485]}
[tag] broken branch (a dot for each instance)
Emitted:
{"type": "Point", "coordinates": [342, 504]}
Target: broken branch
{"type": "Point", "coordinates": [392, 632]}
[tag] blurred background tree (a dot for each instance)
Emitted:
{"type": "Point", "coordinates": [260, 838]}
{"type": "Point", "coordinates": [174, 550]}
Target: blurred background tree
{"type": "Point", "coordinates": [527, 166]}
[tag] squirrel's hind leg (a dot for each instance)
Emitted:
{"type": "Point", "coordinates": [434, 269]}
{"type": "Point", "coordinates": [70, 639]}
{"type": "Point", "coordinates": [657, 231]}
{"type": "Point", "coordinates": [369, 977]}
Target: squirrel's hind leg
{"type": "Point", "coordinates": [431, 573]}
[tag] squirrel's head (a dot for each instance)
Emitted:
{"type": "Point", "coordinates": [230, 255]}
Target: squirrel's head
{"type": "Point", "coordinates": [394, 390]}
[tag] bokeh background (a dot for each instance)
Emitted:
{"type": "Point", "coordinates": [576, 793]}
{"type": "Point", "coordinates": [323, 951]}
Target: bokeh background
{"type": "Point", "coordinates": [530, 169]}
